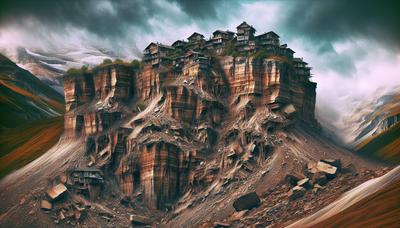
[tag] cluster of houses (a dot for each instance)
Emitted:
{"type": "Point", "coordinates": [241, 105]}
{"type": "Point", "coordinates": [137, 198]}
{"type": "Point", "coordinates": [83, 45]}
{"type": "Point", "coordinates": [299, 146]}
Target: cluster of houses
{"type": "Point", "coordinates": [197, 47]}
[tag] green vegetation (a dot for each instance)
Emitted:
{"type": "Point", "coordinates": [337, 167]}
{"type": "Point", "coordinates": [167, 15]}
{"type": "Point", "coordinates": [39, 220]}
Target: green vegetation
{"type": "Point", "coordinates": [119, 61]}
{"type": "Point", "coordinates": [76, 71]}
{"type": "Point", "coordinates": [141, 105]}
{"type": "Point", "coordinates": [136, 64]}
{"type": "Point", "coordinates": [106, 61]}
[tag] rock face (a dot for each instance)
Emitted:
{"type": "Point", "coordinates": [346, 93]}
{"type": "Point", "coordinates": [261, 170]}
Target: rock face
{"type": "Point", "coordinates": [151, 130]}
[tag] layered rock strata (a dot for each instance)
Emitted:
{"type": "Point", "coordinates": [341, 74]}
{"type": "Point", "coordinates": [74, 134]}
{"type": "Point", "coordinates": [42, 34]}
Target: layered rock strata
{"type": "Point", "coordinates": [175, 128]}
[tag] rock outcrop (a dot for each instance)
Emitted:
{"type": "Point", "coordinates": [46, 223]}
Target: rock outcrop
{"type": "Point", "coordinates": [153, 130]}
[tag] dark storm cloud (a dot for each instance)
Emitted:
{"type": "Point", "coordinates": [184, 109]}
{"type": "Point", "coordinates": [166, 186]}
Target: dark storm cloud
{"type": "Point", "coordinates": [82, 14]}
{"type": "Point", "coordinates": [200, 8]}
{"type": "Point", "coordinates": [103, 18]}
{"type": "Point", "coordinates": [340, 19]}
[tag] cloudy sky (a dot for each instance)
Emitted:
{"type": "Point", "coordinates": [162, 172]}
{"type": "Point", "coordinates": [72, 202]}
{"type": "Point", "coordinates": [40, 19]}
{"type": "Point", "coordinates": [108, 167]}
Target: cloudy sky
{"type": "Point", "coordinates": [353, 46]}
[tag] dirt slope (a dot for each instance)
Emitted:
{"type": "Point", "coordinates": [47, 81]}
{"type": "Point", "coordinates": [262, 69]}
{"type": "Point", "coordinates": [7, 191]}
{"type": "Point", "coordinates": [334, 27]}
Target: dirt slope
{"type": "Point", "coordinates": [298, 147]}
{"type": "Point", "coordinates": [375, 203]}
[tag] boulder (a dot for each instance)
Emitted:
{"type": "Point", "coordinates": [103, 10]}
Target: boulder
{"type": "Point", "coordinates": [329, 170]}
{"type": "Point", "coordinates": [221, 224]}
{"type": "Point", "coordinates": [247, 202]}
{"type": "Point", "coordinates": [57, 191]}
{"type": "Point", "coordinates": [319, 178]}
{"type": "Point", "coordinates": [289, 110]}
{"type": "Point", "coordinates": [296, 192]}
{"type": "Point", "coordinates": [46, 205]}
{"type": "Point", "coordinates": [140, 220]}
{"type": "Point", "coordinates": [334, 162]}
{"type": "Point", "coordinates": [316, 188]}
{"type": "Point", "coordinates": [312, 167]}
{"type": "Point", "coordinates": [293, 179]}
{"type": "Point", "coordinates": [125, 200]}
{"type": "Point", "coordinates": [305, 183]}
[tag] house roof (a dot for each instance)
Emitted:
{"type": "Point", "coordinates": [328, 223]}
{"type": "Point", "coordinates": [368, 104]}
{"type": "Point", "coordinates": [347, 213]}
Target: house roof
{"type": "Point", "coordinates": [176, 43]}
{"type": "Point", "coordinates": [194, 35]}
{"type": "Point", "coordinates": [165, 46]}
{"type": "Point", "coordinates": [270, 34]}
{"type": "Point", "coordinates": [290, 50]}
{"type": "Point", "coordinates": [223, 32]}
{"type": "Point", "coordinates": [86, 169]}
{"type": "Point", "coordinates": [245, 25]}
{"type": "Point", "coordinates": [191, 52]}
{"type": "Point", "coordinates": [151, 44]}
{"type": "Point", "coordinates": [159, 45]}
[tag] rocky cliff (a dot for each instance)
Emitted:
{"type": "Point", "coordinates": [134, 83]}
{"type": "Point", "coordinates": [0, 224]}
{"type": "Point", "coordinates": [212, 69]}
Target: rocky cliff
{"type": "Point", "coordinates": [152, 129]}
{"type": "Point", "coordinates": [204, 133]}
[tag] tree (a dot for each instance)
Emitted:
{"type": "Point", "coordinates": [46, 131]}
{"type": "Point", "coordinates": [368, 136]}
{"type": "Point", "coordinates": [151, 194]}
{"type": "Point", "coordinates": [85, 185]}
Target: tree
{"type": "Point", "coordinates": [118, 61]}
{"type": "Point", "coordinates": [107, 61]}
{"type": "Point", "coordinates": [136, 64]}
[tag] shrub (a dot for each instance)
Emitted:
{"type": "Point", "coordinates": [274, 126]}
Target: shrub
{"type": "Point", "coordinates": [106, 61]}
{"type": "Point", "coordinates": [136, 64]}
{"type": "Point", "coordinates": [141, 105]}
{"type": "Point", "coordinates": [118, 61]}
{"type": "Point", "coordinates": [76, 71]}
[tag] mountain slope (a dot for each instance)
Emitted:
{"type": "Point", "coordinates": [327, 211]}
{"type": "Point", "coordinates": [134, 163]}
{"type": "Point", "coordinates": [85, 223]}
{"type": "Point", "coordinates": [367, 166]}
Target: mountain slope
{"type": "Point", "coordinates": [31, 116]}
{"type": "Point", "coordinates": [384, 146]}
{"type": "Point", "coordinates": [373, 116]}
{"type": "Point", "coordinates": [23, 144]}
{"type": "Point", "coordinates": [24, 98]}
{"type": "Point", "coordinates": [373, 128]}
{"type": "Point", "coordinates": [49, 66]}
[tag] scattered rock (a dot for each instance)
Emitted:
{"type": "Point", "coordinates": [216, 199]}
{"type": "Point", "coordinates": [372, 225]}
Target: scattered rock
{"type": "Point", "coordinates": [221, 224]}
{"type": "Point", "coordinates": [139, 220]}
{"type": "Point", "coordinates": [319, 178]}
{"type": "Point", "coordinates": [46, 205]}
{"type": "Point", "coordinates": [296, 192]}
{"type": "Point", "coordinates": [289, 110]}
{"type": "Point", "coordinates": [329, 170]}
{"type": "Point", "coordinates": [305, 183]}
{"type": "Point", "coordinates": [334, 162]}
{"type": "Point", "coordinates": [125, 200]}
{"type": "Point", "coordinates": [312, 167]}
{"type": "Point", "coordinates": [22, 200]}
{"type": "Point", "coordinates": [247, 202]}
{"type": "Point", "coordinates": [61, 216]}
{"type": "Point", "coordinates": [292, 179]}
{"type": "Point", "coordinates": [308, 207]}
{"type": "Point", "coordinates": [238, 215]}
{"type": "Point", "coordinates": [57, 191]}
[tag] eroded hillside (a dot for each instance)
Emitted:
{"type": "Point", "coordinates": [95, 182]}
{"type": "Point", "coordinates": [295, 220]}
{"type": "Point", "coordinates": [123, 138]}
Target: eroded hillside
{"type": "Point", "coordinates": [178, 141]}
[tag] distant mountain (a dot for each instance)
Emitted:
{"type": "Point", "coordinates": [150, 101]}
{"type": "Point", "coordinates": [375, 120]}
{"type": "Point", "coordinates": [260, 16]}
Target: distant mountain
{"type": "Point", "coordinates": [50, 66]}
{"type": "Point", "coordinates": [25, 98]}
{"type": "Point", "coordinates": [374, 128]}
{"type": "Point", "coordinates": [31, 116]}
